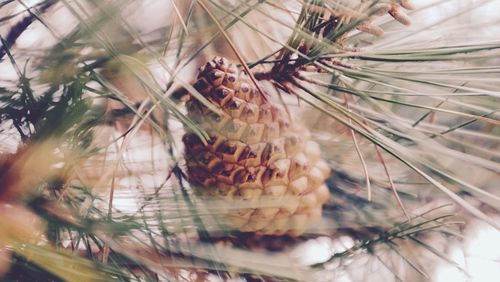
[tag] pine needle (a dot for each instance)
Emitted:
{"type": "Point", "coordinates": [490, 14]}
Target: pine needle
{"type": "Point", "coordinates": [178, 13]}
{"type": "Point", "coordinates": [360, 155]}
{"type": "Point", "coordinates": [391, 183]}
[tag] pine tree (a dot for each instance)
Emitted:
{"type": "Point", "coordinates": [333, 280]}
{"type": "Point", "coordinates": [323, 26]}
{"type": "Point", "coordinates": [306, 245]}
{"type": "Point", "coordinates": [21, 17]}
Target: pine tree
{"type": "Point", "coordinates": [212, 140]}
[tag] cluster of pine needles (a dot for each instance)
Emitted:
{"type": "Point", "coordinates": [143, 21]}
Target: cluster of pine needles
{"type": "Point", "coordinates": [403, 100]}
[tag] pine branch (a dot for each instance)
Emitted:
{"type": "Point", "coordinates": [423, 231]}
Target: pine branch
{"type": "Point", "coordinates": [16, 30]}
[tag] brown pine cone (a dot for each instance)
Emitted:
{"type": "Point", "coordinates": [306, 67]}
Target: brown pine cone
{"type": "Point", "coordinates": [255, 151]}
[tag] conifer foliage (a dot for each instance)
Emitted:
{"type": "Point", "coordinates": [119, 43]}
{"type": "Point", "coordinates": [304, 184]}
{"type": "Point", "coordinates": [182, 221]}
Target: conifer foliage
{"type": "Point", "coordinates": [261, 140]}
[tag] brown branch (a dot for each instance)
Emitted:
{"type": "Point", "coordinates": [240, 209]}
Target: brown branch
{"type": "Point", "coordinates": [22, 26]}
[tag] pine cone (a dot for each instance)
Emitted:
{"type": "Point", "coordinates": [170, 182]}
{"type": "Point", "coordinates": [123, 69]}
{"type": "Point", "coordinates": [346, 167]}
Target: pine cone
{"type": "Point", "coordinates": [255, 150]}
